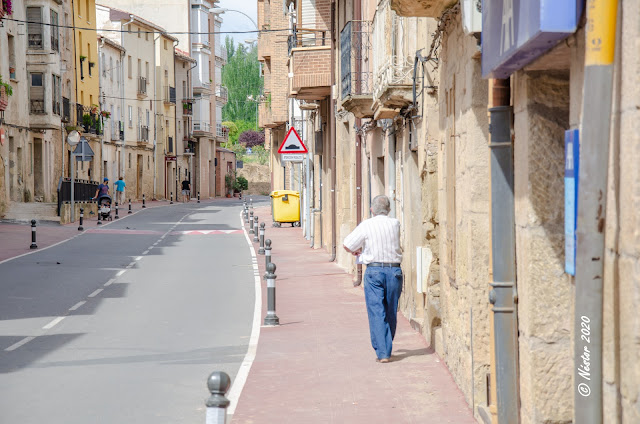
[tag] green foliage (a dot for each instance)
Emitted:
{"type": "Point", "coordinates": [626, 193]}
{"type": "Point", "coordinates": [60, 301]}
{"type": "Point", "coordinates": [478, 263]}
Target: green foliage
{"type": "Point", "coordinates": [241, 76]}
{"type": "Point", "coordinates": [260, 154]}
{"type": "Point", "coordinates": [7, 87]}
{"type": "Point", "coordinates": [242, 183]}
{"type": "Point", "coordinates": [239, 150]}
{"type": "Point", "coordinates": [228, 181]}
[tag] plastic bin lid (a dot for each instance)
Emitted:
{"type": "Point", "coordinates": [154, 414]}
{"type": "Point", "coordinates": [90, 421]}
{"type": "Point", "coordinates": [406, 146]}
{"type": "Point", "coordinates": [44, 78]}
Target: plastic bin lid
{"type": "Point", "coordinates": [281, 193]}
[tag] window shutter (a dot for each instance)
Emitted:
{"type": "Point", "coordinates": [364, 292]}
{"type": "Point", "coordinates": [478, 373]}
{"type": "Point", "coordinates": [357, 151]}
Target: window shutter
{"type": "Point", "coordinates": [34, 28]}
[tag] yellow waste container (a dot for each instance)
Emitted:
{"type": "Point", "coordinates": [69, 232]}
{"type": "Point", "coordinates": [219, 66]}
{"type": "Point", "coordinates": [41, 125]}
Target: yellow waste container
{"type": "Point", "coordinates": [285, 207]}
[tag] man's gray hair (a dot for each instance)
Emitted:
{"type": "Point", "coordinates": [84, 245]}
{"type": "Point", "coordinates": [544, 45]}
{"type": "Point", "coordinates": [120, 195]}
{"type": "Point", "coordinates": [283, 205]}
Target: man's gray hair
{"type": "Point", "coordinates": [380, 205]}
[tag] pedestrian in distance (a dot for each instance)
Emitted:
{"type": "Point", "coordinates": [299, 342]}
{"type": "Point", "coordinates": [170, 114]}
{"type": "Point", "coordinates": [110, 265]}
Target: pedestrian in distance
{"type": "Point", "coordinates": [186, 190]}
{"type": "Point", "coordinates": [120, 185]}
{"type": "Point", "coordinates": [377, 243]}
{"type": "Point", "coordinates": [103, 189]}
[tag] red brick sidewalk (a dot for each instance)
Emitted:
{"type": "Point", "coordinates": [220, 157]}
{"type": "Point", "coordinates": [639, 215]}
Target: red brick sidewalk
{"type": "Point", "coordinates": [318, 365]}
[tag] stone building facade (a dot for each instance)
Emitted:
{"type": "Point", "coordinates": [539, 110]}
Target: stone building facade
{"type": "Point", "coordinates": [411, 103]}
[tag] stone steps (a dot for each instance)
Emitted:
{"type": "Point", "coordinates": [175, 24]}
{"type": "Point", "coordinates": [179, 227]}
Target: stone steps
{"type": "Point", "coordinates": [20, 211]}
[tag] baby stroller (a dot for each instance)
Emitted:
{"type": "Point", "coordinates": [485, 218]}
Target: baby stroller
{"type": "Point", "coordinates": [104, 207]}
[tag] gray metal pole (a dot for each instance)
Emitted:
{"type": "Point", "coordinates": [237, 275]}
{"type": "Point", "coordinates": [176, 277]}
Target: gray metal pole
{"type": "Point", "coordinates": [171, 203]}
{"type": "Point", "coordinates": [117, 216]}
{"type": "Point", "coordinates": [271, 318]}
{"type": "Point", "coordinates": [261, 249]}
{"type": "Point", "coordinates": [250, 222]}
{"type": "Point", "coordinates": [218, 384]}
{"type": "Point", "coordinates": [592, 206]}
{"type": "Point", "coordinates": [143, 202]}
{"type": "Point", "coordinates": [129, 207]}
{"type": "Point", "coordinates": [80, 227]}
{"type": "Point", "coordinates": [255, 229]}
{"type": "Point", "coordinates": [267, 252]}
{"type": "Point", "coordinates": [33, 235]}
{"type": "Point", "coordinates": [73, 172]}
{"type": "Point", "coordinates": [503, 296]}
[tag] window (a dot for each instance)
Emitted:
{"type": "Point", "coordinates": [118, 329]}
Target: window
{"type": "Point", "coordinates": [12, 56]}
{"type": "Point", "coordinates": [129, 160]}
{"type": "Point", "coordinates": [118, 72]}
{"type": "Point", "coordinates": [147, 117]}
{"type": "Point", "coordinates": [111, 69]}
{"type": "Point", "coordinates": [89, 57]}
{"type": "Point", "coordinates": [87, 10]}
{"type": "Point", "coordinates": [146, 71]}
{"type": "Point", "coordinates": [34, 28]}
{"type": "Point", "coordinates": [79, 10]}
{"type": "Point", "coordinates": [56, 95]}
{"type": "Point", "coordinates": [184, 90]}
{"type": "Point", "coordinates": [55, 40]}
{"type": "Point", "coordinates": [146, 36]}
{"type": "Point", "coordinates": [129, 66]}
{"type": "Point", "coordinates": [148, 162]}
{"type": "Point", "coordinates": [103, 63]}
{"type": "Point", "coordinates": [139, 33]}
{"type": "Point", "coordinates": [165, 44]}
{"type": "Point", "coordinates": [66, 32]}
{"type": "Point", "coordinates": [139, 67]}
{"type": "Point", "coordinates": [36, 93]}
{"type": "Point", "coordinates": [130, 117]}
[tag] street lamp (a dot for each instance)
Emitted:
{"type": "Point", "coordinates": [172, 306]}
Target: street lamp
{"type": "Point", "coordinates": [221, 10]}
{"type": "Point", "coordinates": [73, 139]}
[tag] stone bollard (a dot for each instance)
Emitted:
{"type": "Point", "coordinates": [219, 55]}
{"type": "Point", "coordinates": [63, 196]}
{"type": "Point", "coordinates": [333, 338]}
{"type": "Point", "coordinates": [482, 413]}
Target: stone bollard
{"type": "Point", "coordinates": [250, 222]}
{"type": "Point", "coordinates": [218, 384]}
{"type": "Point", "coordinates": [255, 229]}
{"type": "Point", "coordinates": [143, 205]}
{"type": "Point", "coordinates": [171, 203]}
{"type": "Point", "coordinates": [261, 249]}
{"type": "Point", "coordinates": [198, 197]}
{"type": "Point", "coordinates": [129, 206]}
{"type": "Point", "coordinates": [80, 227]}
{"type": "Point", "coordinates": [117, 217]}
{"type": "Point", "coordinates": [267, 252]}
{"type": "Point", "coordinates": [271, 318]}
{"type": "Point", "coordinates": [33, 235]}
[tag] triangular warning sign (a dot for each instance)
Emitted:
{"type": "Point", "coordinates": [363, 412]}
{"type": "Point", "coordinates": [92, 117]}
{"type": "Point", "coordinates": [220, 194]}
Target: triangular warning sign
{"type": "Point", "coordinates": [292, 143]}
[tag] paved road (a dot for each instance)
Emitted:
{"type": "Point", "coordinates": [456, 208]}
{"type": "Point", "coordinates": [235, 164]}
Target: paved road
{"type": "Point", "coordinates": [124, 323]}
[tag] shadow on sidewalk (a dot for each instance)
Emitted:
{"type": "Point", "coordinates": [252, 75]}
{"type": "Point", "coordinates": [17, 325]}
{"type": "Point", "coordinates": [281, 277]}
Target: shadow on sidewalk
{"type": "Point", "coordinates": [400, 354]}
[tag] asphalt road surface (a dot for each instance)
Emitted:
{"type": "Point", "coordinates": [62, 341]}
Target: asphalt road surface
{"type": "Point", "coordinates": [124, 323]}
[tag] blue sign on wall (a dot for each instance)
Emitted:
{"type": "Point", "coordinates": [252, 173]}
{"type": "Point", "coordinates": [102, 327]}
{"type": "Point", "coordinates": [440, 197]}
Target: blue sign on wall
{"type": "Point", "coordinates": [571, 168]}
{"type": "Point", "coordinates": [516, 32]}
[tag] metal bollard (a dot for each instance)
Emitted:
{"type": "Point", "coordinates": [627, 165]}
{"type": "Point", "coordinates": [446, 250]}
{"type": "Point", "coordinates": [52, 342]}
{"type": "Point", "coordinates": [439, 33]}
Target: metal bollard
{"type": "Point", "coordinates": [80, 227]}
{"type": "Point", "coordinates": [117, 217]}
{"type": "Point", "coordinates": [246, 214]}
{"type": "Point", "coordinates": [171, 198]}
{"type": "Point", "coordinates": [251, 203]}
{"type": "Point", "coordinates": [255, 230]}
{"type": "Point", "coordinates": [218, 384]}
{"type": "Point", "coordinates": [143, 205]}
{"type": "Point", "coordinates": [251, 222]}
{"type": "Point", "coordinates": [129, 206]}
{"type": "Point", "coordinates": [261, 249]}
{"type": "Point", "coordinates": [198, 197]}
{"type": "Point", "coordinates": [267, 252]}
{"type": "Point", "coordinates": [99, 215]}
{"type": "Point", "coordinates": [33, 235]}
{"type": "Point", "coordinates": [271, 318]}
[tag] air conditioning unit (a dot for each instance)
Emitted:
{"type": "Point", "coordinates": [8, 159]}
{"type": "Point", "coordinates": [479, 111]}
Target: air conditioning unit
{"type": "Point", "coordinates": [471, 16]}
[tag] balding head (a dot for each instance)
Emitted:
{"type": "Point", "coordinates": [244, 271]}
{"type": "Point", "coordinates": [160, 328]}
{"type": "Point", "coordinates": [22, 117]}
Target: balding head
{"type": "Point", "coordinates": [380, 205]}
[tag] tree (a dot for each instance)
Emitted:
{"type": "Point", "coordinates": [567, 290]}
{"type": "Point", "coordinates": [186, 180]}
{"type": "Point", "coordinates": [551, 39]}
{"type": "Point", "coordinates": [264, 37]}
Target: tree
{"type": "Point", "coordinates": [241, 76]}
{"type": "Point", "coordinates": [251, 138]}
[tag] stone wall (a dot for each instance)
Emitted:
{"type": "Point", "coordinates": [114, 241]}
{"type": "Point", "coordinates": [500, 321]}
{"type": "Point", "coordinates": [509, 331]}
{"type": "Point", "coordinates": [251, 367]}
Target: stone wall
{"type": "Point", "coordinates": [258, 176]}
{"type": "Point", "coordinates": [464, 212]}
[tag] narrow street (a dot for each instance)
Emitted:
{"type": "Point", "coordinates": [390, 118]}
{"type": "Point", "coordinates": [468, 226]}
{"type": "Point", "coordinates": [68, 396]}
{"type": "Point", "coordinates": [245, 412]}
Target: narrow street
{"type": "Point", "coordinates": [125, 322]}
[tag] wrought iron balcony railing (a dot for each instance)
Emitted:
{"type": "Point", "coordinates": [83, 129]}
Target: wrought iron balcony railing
{"type": "Point", "coordinates": [222, 92]}
{"type": "Point", "coordinates": [170, 95]}
{"type": "Point", "coordinates": [36, 106]}
{"type": "Point", "coordinates": [143, 133]}
{"type": "Point", "coordinates": [89, 119]}
{"type": "Point", "coordinates": [304, 37]}
{"type": "Point", "coordinates": [142, 86]}
{"type": "Point", "coordinates": [187, 106]}
{"type": "Point", "coordinates": [66, 110]}
{"type": "Point", "coordinates": [356, 67]}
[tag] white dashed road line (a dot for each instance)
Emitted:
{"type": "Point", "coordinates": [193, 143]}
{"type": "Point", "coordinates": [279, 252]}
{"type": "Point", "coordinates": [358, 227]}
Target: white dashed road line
{"type": "Point", "coordinates": [95, 293]}
{"type": "Point", "coordinates": [77, 305]}
{"type": "Point", "coordinates": [52, 323]}
{"type": "Point", "coordinates": [121, 272]}
{"type": "Point", "coordinates": [20, 343]}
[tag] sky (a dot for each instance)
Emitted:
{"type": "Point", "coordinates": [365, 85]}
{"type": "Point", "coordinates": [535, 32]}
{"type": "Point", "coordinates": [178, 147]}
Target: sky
{"type": "Point", "coordinates": [234, 21]}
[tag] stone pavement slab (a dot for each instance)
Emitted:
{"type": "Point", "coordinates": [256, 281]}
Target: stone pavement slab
{"type": "Point", "coordinates": [318, 366]}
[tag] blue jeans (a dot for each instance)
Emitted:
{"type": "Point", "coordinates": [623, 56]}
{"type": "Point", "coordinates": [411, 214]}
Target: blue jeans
{"type": "Point", "coordinates": [382, 288]}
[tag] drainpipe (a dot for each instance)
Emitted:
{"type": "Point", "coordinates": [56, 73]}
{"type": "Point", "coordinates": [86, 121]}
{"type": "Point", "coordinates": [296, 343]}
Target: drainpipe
{"type": "Point", "coordinates": [332, 130]}
{"type": "Point", "coordinates": [357, 17]}
{"type": "Point", "coordinates": [123, 54]}
{"type": "Point", "coordinates": [391, 166]}
{"type": "Point", "coordinates": [503, 295]}
{"type": "Point", "coordinates": [155, 123]}
{"type": "Point", "coordinates": [592, 201]}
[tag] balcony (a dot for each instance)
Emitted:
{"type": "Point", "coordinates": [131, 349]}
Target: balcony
{"type": "Point", "coordinates": [4, 99]}
{"type": "Point", "coordinates": [169, 95]}
{"type": "Point", "coordinates": [201, 129]}
{"type": "Point", "coordinates": [143, 134]}
{"type": "Point", "coordinates": [117, 130]}
{"type": "Point", "coordinates": [187, 106]}
{"type": "Point", "coordinates": [265, 47]}
{"type": "Point", "coordinates": [89, 119]}
{"type": "Point", "coordinates": [142, 87]}
{"type": "Point", "coordinates": [310, 64]}
{"type": "Point", "coordinates": [201, 87]}
{"type": "Point", "coordinates": [422, 8]}
{"type": "Point", "coordinates": [356, 73]}
{"type": "Point", "coordinates": [221, 53]}
{"type": "Point", "coordinates": [222, 94]}
{"type": "Point", "coordinates": [222, 132]}
{"type": "Point", "coordinates": [189, 146]}
{"type": "Point", "coordinates": [36, 106]}
{"type": "Point", "coordinates": [66, 110]}
{"type": "Point", "coordinates": [35, 42]}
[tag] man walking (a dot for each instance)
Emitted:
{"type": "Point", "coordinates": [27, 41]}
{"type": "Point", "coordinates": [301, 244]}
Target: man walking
{"type": "Point", "coordinates": [186, 190]}
{"type": "Point", "coordinates": [120, 185]}
{"type": "Point", "coordinates": [377, 240]}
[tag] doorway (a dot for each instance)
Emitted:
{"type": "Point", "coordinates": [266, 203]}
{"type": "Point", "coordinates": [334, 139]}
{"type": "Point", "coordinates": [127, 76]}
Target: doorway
{"type": "Point", "coordinates": [38, 175]}
{"type": "Point", "coordinates": [140, 166]}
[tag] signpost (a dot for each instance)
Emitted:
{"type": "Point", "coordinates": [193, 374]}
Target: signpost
{"type": "Point", "coordinates": [82, 151]}
{"type": "Point", "coordinates": [292, 149]}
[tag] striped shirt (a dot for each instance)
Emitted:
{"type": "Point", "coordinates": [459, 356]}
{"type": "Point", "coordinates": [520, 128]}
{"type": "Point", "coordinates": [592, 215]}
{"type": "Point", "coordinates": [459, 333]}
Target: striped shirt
{"type": "Point", "coordinates": [378, 238]}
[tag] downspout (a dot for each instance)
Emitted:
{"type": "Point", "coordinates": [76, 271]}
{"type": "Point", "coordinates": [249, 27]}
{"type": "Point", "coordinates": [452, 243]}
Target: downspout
{"type": "Point", "coordinates": [102, 170]}
{"type": "Point", "coordinates": [391, 166]}
{"type": "Point", "coordinates": [332, 129]}
{"type": "Point", "coordinates": [155, 123]}
{"type": "Point", "coordinates": [503, 295]}
{"type": "Point", "coordinates": [123, 54]}
{"type": "Point", "coordinates": [592, 206]}
{"type": "Point", "coordinates": [75, 74]}
{"type": "Point", "coordinates": [175, 123]}
{"type": "Point", "coordinates": [357, 17]}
